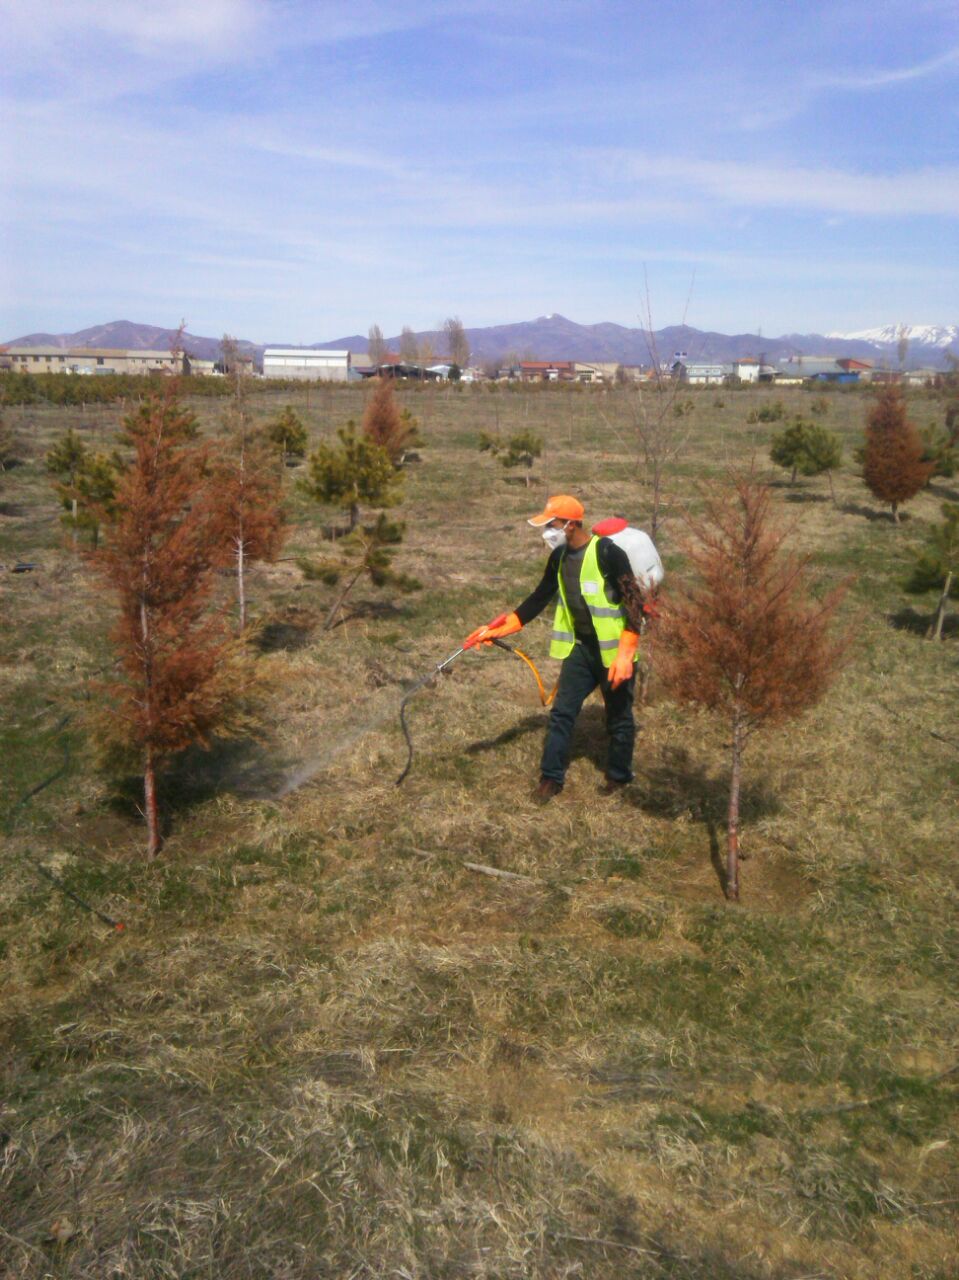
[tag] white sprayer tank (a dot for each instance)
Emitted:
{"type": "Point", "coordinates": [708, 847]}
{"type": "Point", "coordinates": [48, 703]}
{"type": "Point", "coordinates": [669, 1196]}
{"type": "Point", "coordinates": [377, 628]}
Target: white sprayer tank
{"type": "Point", "coordinates": [643, 556]}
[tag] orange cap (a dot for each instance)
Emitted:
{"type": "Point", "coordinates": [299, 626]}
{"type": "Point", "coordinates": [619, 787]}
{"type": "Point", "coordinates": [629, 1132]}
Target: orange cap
{"type": "Point", "coordinates": [559, 507]}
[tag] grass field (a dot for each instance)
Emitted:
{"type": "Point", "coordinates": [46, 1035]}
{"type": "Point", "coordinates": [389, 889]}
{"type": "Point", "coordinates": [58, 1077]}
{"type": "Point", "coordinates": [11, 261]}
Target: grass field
{"type": "Point", "coordinates": [324, 1047]}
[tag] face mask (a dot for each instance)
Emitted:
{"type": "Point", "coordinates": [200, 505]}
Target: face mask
{"type": "Point", "coordinates": [554, 538]}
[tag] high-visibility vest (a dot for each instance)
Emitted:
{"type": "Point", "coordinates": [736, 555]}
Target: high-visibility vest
{"type": "Point", "coordinates": [609, 620]}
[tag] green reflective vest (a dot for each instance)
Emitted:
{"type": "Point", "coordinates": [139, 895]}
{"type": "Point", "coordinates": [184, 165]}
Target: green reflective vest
{"type": "Point", "coordinates": [609, 620]}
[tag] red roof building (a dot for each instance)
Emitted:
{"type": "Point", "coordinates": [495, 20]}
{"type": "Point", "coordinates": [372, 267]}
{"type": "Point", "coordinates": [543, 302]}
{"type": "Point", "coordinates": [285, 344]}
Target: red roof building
{"type": "Point", "coordinates": [547, 370]}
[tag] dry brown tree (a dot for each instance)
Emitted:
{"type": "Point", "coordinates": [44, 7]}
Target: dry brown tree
{"type": "Point", "coordinates": [177, 668]}
{"type": "Point", "coordinates": [384, 424]}
{"type": "Point", "coordinates": [746, 637]}
{"type": "Point", "coordinates": [246, 510]}
{"type": "Point", "coordinates": [892, 458]}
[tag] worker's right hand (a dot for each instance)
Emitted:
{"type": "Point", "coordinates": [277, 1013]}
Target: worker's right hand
{"type": "Point", "coordinates": [480, 634]}
{"type": "Point", "coordinates": [505, 625]}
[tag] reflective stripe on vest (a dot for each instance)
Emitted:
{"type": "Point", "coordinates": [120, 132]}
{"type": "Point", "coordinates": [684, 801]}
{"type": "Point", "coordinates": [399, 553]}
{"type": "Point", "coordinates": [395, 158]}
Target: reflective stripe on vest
{"type": "Point", "coordinates": [609, 620]}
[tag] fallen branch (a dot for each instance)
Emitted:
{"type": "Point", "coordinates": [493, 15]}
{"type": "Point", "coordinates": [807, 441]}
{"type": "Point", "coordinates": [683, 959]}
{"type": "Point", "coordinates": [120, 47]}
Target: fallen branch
{"type": "Point", "coordinates": [603, 1244]}
{"type": "Point", "coordinates": [842, 1107]}
{"type": "Point", "coordinates": [940, 737]}
{"type": "Point", "coordinates": [482, 869]}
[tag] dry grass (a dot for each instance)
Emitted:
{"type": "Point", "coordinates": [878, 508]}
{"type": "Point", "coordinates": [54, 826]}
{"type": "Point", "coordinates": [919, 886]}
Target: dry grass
{"type": "Point", "coordinates": [324, 1047]}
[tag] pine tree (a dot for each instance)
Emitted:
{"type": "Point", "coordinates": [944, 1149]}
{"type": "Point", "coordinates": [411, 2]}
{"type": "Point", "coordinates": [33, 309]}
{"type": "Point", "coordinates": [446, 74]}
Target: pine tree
{"type": "Point", "coordinates": [9, 446]}
{"type": "Point", "coordinates": [385, 425]}
{"type": "Point", "coordinates": [367, 551]}
{"type": "Point", "coordinates": [892, 458]}
{"type": "Point", "coordinates": [65, 461]}
{"type": "Point", "coordinates": [177, 668]}
{"type": "Point", "coordinates": [246, 513]}
{"type": "Point", "coordinates": [91, 496]}
{"type": "Point", "coordinates": [522, 451]}
{"type": "Point", "coordinates": [353, 472]}
{"type": "Point", "coordinates": [807, 449]}
{"type": "Point", "coordinates": [746, 639]}
{"type": "Point", "coordinates": [938, 565]}
{"type": "Point", "coordinates": [287, 434]}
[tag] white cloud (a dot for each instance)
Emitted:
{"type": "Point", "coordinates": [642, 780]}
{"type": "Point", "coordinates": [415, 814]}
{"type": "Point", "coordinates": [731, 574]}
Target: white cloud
{"type": "Point", "coordinates": [880, 78]}
{"type": "Point", "coordinates": [932, 191]}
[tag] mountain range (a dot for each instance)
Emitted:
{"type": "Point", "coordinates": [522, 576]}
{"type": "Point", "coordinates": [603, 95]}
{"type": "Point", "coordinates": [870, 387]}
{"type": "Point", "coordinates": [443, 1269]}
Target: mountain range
{"type": "Point", "coordinates": [554, 337]}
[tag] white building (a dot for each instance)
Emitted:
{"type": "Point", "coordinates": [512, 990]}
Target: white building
{"type": "Point", "coordinates": [699, 374]}
{"type": "Point", "coordinates": [746, 370]}
{"type": "Point", "coordinates": [306, 363]}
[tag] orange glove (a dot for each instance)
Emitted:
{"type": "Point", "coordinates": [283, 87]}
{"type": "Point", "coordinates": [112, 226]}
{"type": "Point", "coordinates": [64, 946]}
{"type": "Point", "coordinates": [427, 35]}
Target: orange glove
{"type": "Point", "coordinates": [505, 625]}
{"type": "Point", "coordinates": [621, 667]}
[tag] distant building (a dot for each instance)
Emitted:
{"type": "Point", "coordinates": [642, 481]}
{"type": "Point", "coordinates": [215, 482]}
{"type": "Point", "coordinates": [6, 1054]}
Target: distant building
{"type": "Point", "coordinates": [698, 373]}
{"type": "Point", "coordinates": [596, 370]}
{"type": "Point", "coordinates": [547, 370]}
{"type": "Point", "coordinates": [91, 360]}
{"type": "Point", "coordinates": [746, 370]}
{"type": "Point", "coordinates": [821, 369]}
{"type": "Point", "coordinates": [306, 363]}
{"type": "Point", "coordinates": [922, 377]}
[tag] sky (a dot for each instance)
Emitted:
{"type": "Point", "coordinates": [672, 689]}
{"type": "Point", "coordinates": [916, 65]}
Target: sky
{"type": "Point", "coordinates": [293, 171]}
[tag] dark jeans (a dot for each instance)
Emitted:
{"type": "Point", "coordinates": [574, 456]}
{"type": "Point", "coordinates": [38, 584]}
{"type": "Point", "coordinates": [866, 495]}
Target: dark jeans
{"type": "Point", "coordinates": [581, 672]}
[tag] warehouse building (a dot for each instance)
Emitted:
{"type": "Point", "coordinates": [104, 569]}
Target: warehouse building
{"type": "Point", "coordinates": [306, 363]}
{"type": "Point", "coordinates": [91, 360]}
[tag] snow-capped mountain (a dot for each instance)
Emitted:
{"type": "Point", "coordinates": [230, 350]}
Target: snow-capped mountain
{"type": "Point", "coordinates": [923, 335]}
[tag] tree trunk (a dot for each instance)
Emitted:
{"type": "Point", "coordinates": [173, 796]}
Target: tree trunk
{"type": "Point", "coordinates": [151, 810]}
{"type": "Point", "coordinates": [654, 515]}
{"type": "Point", "coordinates": [792, 478]}
{"type": "Point", "coordinates": [73, 535]}
{"type": "Point", "coordinates": [354, 515]}
{"type": "Point", "coordinates": [732, 825]}
{"type": "Point", "coordinates": [895, 512]}
{"type": "Point", "coordinates": [832, 491]}
{"type": "Point", "coordinates": [240, 581]}
{"type": "Point", "coordinates": [331, 616]}
{"type": "Point", "coordinates": [935, 631]}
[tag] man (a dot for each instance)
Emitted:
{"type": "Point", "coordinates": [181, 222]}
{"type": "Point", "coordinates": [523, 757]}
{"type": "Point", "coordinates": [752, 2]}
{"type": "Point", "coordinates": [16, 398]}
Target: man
{"type": "Point", "coordinates": [595, 633]}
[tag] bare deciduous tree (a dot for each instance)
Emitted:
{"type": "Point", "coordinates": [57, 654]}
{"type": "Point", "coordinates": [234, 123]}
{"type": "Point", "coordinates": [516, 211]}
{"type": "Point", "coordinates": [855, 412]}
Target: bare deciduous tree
{"type": "Point", "coordinates": [376, 348]}
{"type": "Point", "coordinates": [409, 347]}
{"type": "Point", "coordinates": [457, 343]}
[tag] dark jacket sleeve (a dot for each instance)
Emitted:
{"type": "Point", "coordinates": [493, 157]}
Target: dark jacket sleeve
{"type": "Point", "coordinates": [621, 585]}
{"type": "Point", "coordinates": [537, 601]}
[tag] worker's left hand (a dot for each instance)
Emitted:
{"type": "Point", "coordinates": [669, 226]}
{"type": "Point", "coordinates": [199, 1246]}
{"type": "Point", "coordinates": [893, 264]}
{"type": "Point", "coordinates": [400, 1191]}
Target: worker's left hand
{"type": "Point", "coordinates": [621, 668]}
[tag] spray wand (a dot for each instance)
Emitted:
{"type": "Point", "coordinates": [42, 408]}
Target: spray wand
{"type": "Point", "coordinates": [544, 697]}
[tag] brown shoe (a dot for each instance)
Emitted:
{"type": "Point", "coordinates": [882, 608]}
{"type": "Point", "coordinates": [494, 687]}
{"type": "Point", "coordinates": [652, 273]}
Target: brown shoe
{"type": "Point", "coordinates": [547, 788]}
{"type": "Point", "coordinates": [612, 787]}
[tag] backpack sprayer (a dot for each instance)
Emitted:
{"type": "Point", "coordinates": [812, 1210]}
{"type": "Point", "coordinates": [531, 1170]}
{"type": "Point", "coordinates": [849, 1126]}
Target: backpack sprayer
{"type": "Point", "coordinates": [648, 570]}
{"type": "Point", "coordinates": [544, 697]}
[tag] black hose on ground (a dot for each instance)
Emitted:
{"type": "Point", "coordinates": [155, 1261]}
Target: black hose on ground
{"type": "Point", "coordinates": [544, 697]}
